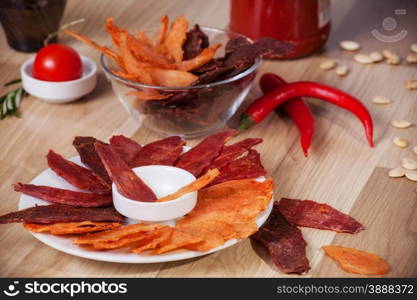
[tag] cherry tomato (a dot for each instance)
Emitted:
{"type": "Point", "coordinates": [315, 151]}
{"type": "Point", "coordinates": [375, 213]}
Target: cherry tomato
{"type": "Point", "coordinates": [57, 62]}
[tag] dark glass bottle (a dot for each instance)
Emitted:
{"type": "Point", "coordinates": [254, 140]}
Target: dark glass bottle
{"type": "Point", "coordinates": [27, 23]}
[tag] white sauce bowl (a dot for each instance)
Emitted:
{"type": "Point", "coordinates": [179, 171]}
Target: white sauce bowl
{"type": "Point", "coordinates": [60, 91]}
{"type": "Point", "coordinates": [163, 180]}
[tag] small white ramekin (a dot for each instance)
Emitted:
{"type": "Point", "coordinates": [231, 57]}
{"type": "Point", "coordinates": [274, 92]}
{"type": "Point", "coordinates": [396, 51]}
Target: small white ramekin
{"type": "Point", "coordinates": [163, 180]}
{"type": "Point", "coordinates": [60, 91]}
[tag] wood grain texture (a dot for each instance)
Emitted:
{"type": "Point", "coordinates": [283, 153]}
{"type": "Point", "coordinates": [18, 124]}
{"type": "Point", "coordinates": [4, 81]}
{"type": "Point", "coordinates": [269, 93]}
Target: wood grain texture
{"type": "Point", "coordinates": [341, 169]}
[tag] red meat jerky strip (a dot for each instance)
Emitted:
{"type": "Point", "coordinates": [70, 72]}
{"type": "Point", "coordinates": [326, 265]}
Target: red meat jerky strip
{"type": "Point", "coordinates": [127, 148]}
{"type": "Point", "coordinates": [61, 196]}
{"type": "Point", "coordinates": [162, 152]}
{"type": "Point", "coordinates": [76, 175]}
{"type": "Point", "coordinates": [127, 182]}
{"type": "Point", "coordinates": [232, 152]}
{"type": "Point", "coordinates": [249, 166]}
{"type": "Point", "coordinates": [284, 242]}
{"type": "Point", "coordinates": [61, 213]}
{"type": "Point", "coordinates": [89, 156]}
{"type": "Point", "coordinates": [307, 213]}
{"type": "Point", "coordinates": [201, 156]}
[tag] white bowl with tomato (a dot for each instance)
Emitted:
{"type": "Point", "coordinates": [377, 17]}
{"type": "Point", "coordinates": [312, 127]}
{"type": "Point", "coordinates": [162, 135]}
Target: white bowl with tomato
{"type": "Point", "coordinates": [58, 74]}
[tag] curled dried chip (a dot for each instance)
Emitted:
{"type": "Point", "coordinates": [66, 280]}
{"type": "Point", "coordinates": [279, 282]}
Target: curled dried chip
{"type": "Point", "coordinates": [62, 196]}
{"type": "Point", "coordinates": [170, 78]}
{"type": "Point", "coordinates": [106, 51]}
{"type": "Point", "coordinates": [127, 182]}
{"type": "Point", "coordinates": [70, 228]}
{"type": "Point", "coordinates": [76, 175]}
{"type": "Point", "coordinates": [126, 148]}
{"type": "Point", "coordinates": [162, 32]}
{"type": "Point", "coordinates": [130, 63]}
{"type": "Point", "coordinates": [249, 166]}
{"type": "Point", "coordinates": [308, 213]}
{"type": "Point", "coordinates": [148, 94]}
{"type": "Point", "coordinates": [200, 156]}
{"type": "Point", "coordinates": [175, 38]}
{"type": "Point", "coordinates": [356, 261]}
{"type": "Point", "coordinates": [204, 57]}
{"type": "Point", "coordinates": [196, 185]}
{"type": "Point", "coordinates": [88, 155]}
{"type": "Point", "coordinates": [284, 242]}
{"type": "Point", "coordinates": [162, 152]}
{"type": "Point", "coordinates": [60, 213]}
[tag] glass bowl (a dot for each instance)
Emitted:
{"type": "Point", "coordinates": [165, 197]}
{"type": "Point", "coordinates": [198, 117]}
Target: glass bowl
{"type": "Point", "coordinates": [191, 111]}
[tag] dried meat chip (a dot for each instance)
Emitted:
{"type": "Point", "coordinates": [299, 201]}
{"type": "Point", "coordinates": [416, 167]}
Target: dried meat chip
{"type": "Point", "coordinates": [127, 182]}
{"type": "Point", "coordinates": [62, 196]}
{"type": "Point", "coordinates": [76, 175]}
{"type": "Point", "coordinates": [60, 213]}
{"type": "Point", "coordinates": [232, 152]}
{"type": "Point", "coordinates": [70, 228]}
{"type": "Point", "coordinates": [235, 43]}
{"type": "Point", "coordinates": [194, 186]}
{"type": "Point", "coordinates": [88, 155]}
{"type": "Point", "coordinates": [307, 213]}
{"type": "Point", "coordinates": [195, 42]}
{"type": "Point", "coordinates": [200, 156]}
{"type": "Point", "coordinates": [125, 147]}
{"type": "Point", "coordinates": [161, 152]}
{"type": "Point", "coordinates": [209, 239]}
{"type": "Point", "coordinates": [284, 243]}
{"type": "Point", "coordinates": [356, 261]}
{"type": "Point", "coordinates": [249, 166]}
{"type": "Point", "coordinates": [116, 234]}
{"type": "Point", "coordinates": [151, 242]}
{"type": "Point", "coordinates": [178, 240]}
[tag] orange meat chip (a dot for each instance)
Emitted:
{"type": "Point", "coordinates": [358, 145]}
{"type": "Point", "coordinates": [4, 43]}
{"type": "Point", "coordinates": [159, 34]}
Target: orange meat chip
{"type": "Point", "coordinates": [171, 78]}
{"type": "Point", "coordinates": [115, 234]}
{"type": "Point", "coordinates": [126, 240]}
{"type": "Point", "coordinates": [152, 241]}
{"type": "Point", "coordinates": [178, 240]}
{"type": "Point", "coordinates": [193, 186]}
{"type": "Point", "coordinates": [176, 37]}
{"type": "Point", "coordinates": [204, 57]}
{"type": "Point", "coordinates": [162, 32]}
{"type": "Point", "coordinates": [356, 261]}
{"type": "Point", "coordinates": [70, 228]}
{"type": "Point", "coordinates": [236, 203]}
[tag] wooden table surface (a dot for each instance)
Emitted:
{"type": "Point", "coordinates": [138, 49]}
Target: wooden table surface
{"type": "Point", "coordinates": [341, 170]}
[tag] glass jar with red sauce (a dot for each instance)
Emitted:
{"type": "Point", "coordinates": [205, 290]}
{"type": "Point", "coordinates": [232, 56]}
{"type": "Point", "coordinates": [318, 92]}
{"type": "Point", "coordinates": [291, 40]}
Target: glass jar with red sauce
{"type": "Point", "coordinates": [304, 23]}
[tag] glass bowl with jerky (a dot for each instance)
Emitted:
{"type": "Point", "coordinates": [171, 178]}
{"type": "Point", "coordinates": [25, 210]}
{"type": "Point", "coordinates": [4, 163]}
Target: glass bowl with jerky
{"type": "Point", "coordinates": [188, 82]}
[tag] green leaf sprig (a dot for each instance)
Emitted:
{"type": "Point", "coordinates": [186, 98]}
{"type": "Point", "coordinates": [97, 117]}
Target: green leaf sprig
{"type": "Point", "coordinates": [10, 102]}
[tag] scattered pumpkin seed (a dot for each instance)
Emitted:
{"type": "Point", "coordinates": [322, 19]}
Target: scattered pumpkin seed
{"type": "Point", "coordinates": [400, 123]}
{"type": "Point", "coordinates": [400, 142]}
{"type": "Point", "coordinates": [349, 45]}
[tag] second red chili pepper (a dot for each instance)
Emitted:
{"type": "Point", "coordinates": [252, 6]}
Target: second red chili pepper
{"type": "Point", "coordinates": [261, 107]}
{"type": "Point", "coordinates": [297, 109]}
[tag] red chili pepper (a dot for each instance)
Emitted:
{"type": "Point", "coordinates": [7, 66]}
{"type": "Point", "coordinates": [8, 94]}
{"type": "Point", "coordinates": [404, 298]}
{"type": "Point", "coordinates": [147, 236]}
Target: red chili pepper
{"type": "Point", "coordinates": [297, 109]}
{"type": "Point", "coordinates": [261, 107]}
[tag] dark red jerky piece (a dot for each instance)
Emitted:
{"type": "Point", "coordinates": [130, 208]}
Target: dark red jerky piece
{"type": "Point", "coordinates": [127, 182]}
{"type": "Point", "coordinates": [201, 156]}
{"type": "Point", "coordinates": [245, 56]}
{"type": "Point", "coordinates": [307, 213]}
{"type": "Point", "coordinates": [232, 152]}
{"type": "Point", "coordinates": [284, 242]}
{"type": "Point", "coordinates": [76, 175]}
{"type": "Point", "coordinates": [126, 148]}
{"type": "Point", "coordinates": [88, 155]}
{"type": "Point", "coordinates": [195, 42]}
{"type": "Point", "coordinates": [249, 166]}
{"type": "Point", "coordinates": [61, 196]}
{"type": "Point", "coordinates": [60, 213]}
{"type": "Point", "coordinates": [162, 152]}
{"type": "Point", "coordinates": [235, 43]}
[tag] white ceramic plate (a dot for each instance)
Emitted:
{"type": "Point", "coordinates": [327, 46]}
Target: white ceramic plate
{"type": "Point", "coordinates": [65, 244]}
